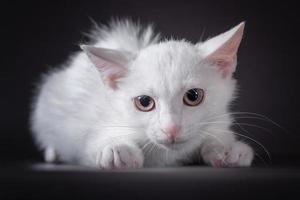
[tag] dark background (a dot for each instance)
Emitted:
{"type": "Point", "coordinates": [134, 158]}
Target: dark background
{"type": "Point", "coordinates": [37, 36]}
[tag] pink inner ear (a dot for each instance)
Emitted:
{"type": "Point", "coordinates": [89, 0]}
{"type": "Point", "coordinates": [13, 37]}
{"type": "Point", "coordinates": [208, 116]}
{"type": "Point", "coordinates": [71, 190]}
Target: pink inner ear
{"type": "Point", "coordinates": [225, 56]}
{"type": "Point", "coordinates": [111, 80]}
{"type": "Point", "coordinates": [226, 64]}
{"type": "Point", "coordinates": [110, 71]}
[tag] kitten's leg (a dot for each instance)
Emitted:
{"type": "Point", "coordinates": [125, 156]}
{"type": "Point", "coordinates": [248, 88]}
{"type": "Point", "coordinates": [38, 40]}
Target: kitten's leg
{"type": "Point", "coordinates": [119, 154]}
{"type": "Point", "coordinates": [230, 153]}
{"type": "Point", "coordinates": [49, 155]}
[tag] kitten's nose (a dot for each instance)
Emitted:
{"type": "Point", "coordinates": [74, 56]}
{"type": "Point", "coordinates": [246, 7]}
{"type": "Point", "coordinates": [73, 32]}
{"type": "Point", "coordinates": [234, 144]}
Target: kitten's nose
{"type": "Point", "coordinates": [172, 131]}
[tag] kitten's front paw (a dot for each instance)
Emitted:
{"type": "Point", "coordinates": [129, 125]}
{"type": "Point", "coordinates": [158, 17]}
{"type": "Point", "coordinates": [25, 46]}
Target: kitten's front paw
{"type": "Point", "coordinates": [236, 155]}
{"type": "Point", "coordinates": [120, 156]}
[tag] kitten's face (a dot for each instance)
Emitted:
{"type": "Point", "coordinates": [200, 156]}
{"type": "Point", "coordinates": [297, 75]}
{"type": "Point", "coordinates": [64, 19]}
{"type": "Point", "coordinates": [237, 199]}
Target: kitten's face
{"type": "Point", "coordinates": [171, 93]}
{"type": "Point", "coordinates": [171, 90]}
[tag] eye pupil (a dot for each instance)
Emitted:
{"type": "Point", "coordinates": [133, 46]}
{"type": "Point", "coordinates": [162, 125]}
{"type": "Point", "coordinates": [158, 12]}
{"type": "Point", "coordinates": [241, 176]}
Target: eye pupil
{"type": "Point", "coordinates": [144, 100]}
{"type": "Point", "coordinates": [144, 103]}
{"type": "Point", "coordinates": [192, 95]}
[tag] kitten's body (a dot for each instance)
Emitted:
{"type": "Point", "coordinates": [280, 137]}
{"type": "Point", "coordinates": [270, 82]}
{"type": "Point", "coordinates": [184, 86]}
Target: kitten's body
{"type": "Point", "coordinates": [85, 115]}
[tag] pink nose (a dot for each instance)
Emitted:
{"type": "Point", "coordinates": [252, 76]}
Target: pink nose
{"type": "Point", "coordinates": [172, 131]}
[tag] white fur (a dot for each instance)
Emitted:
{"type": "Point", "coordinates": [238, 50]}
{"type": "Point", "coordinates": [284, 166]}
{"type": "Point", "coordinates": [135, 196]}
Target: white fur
{"type": "Point", "coordinates": [85, 122]}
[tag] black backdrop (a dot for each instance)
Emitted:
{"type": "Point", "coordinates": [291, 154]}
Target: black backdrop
{"type": "Point", "coordinates": [41, 35]}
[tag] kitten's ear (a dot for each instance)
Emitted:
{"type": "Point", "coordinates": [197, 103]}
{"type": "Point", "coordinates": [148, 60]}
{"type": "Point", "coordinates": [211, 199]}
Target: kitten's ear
{"type": "Point", "coordinates": [222, 49]}
{"type": "Point", "coordinates": [110, 63]}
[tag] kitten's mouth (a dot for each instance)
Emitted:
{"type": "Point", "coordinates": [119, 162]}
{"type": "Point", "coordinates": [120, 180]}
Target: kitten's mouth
{"type": "Point", "coordinates": [172, 144]}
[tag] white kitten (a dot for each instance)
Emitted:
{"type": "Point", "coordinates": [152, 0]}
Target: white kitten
{"type": "Point", "coordinates": [129, 101]}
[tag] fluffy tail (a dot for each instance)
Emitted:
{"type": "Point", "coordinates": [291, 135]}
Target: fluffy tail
{"type": "Point", "coordinates": [123, 35]}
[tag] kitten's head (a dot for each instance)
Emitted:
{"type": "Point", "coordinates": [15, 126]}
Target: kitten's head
{"type": "Point", "coordinates": [172, 88]}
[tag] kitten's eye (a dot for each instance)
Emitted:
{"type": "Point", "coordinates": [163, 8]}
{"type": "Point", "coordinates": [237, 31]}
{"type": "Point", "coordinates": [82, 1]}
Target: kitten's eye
{"type": "Point", "coordinates": [193, 97]}
{"type": "Point", "coordinates": [144, 103]}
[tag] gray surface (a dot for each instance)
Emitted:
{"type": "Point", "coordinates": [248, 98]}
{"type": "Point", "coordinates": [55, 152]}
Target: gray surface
{"type": "Point", "coordinates": [40, 181]}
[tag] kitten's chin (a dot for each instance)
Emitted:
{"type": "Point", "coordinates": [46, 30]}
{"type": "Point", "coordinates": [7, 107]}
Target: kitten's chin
{"type": "Point", "coordinates": [172, 146]}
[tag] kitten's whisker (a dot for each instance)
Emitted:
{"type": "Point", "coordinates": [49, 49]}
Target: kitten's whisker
{"type": "Point", "coordinates": [220, 141]}
{"type": "Point", "coordinates": [253, 125]}
{"type": "Point", "coordinates": [247, 137]}
{"type": "Point", "coordinates": [252, 114]}
{"type": "Point", "coordinates": [211, 135]}
{"type": "Point", "coordinates": [156, 149]}
{"type": "Point", "coordinates": [199, 152]}
{"type": "Point", "coordinates": [145, 145]}
{"type": "Point", "coordinates": [244, 136]}
{"type": "Point", "coordinates": [222, 158]}
{"type": "Point", "coordinates": [258, 115]}
{"type": "Point", "coordinates": [112, 139]}
{"type": "Point", "coordinates": [151, 150]}
{"type": "Point", "coordinates": [261, 158]}
{"type": "Point", "coordinates": [148, 150]}
{"type": "Point", "coordinates": [192, 129]}
{"type": "Point", "coordinates": [241, 127]}
{"type": "Point", "coordinates": [236, 123]}
{"type": "Point", "coordinates": [202, 35]}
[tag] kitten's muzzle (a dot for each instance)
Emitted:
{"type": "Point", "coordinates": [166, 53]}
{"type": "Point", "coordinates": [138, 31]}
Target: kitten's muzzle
{"type": "Point", "coordinates": [172, 132]}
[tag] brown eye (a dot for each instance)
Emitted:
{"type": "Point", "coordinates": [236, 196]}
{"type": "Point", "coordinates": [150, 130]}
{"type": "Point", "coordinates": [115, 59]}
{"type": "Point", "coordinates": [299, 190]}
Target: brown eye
{"type": "Point", "coordinates": [144, 103]}
{"type": "Point", "coordinates": [193, 97]}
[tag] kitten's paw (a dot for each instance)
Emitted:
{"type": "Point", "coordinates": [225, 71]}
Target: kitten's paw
{"type": "Point", "coordinates": [120, 156]}
{"type": "Point", "coordinates": [236, 155]}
